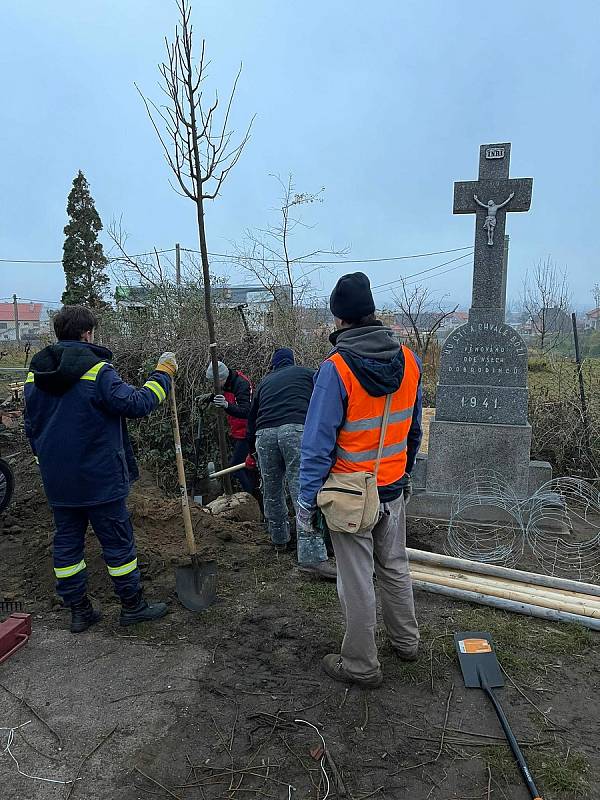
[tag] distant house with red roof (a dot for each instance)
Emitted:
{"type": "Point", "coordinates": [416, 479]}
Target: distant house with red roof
{"type": "Point", "coordinates": [30, 320]}
{"type": "Point", "coordinates": [592, 320]}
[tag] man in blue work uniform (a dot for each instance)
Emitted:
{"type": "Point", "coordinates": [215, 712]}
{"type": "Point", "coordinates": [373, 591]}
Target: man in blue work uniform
{"type": "Point", "coordinates": [76, 407]}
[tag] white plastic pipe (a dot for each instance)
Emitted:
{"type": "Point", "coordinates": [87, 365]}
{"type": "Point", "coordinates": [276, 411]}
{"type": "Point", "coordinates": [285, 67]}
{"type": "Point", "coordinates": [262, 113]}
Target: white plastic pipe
{"type": "Point", "coordinates": [509, 605]}
{"type": "Point", "coordinates": [510, 590]}
{"type": "Point", "coordinates": [551, 581]}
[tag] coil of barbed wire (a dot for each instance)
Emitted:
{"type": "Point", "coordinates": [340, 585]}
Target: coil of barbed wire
{"type": "Point", "coordinates": [486, 521]}
{"type": "Point", "coordinates": [563, 528]}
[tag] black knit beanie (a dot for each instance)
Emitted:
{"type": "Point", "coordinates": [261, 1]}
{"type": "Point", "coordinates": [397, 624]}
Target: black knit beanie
{"type": "Point", "coordinates": [351, 298]}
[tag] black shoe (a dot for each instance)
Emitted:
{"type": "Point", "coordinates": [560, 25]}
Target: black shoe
{"type": "Point", "coordinates": [83, 615]}
{"type": "Point", "coordinates": [139, 610]}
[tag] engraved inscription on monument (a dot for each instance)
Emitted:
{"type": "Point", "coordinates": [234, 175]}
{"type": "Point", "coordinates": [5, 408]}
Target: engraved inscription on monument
{"type": "Point", "coordinates": [483, 375]}
{"type": "Point", "coordinates": [494, 152]}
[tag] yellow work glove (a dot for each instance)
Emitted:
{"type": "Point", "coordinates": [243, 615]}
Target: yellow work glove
{"type": "Point", "coordinates": [167, 363]}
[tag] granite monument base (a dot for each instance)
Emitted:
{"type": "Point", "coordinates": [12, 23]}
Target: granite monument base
{"type": "Point", "coordinates": [457, 450]}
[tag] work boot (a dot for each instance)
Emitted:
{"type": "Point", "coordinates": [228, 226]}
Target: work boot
{"type": "Point", "coordinates": [83, 615]}
{"type": "Point", "coordinates": [334, 667]}
{"type": "Point", "coordinates": [136, 609]}
{"type": "Point", "coordinates": [324, 570]}
{"type": "Point", "coordinates": [406, 655]}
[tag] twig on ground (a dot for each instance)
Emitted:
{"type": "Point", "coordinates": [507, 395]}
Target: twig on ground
{"type": "Point", "coordinates": [364, 796]}
{"type": "Point", "coordinates": [35, 749]}
{"type": "Point", "coordinates": [235, 721]}
{"type": "Point", "coordinates": [443, 736]}
{"type": "Point", "coordinates": [298, 759]}
{"type": "Point", "coordinates": [337, 778]}
{"type": "Point", "coordinates": [86, 758]}
{"type": "Point", "coordinates": [442, 740]}
{"type": "Point", "coordinates": [225, 773]}
{"type": "Point", "coordinates": [547, 719]}
{"type": "Point", "coordinates": [344, 698]}
{"type": "Point", "coordinates": [489, 786]}
{"type": "Point", "coordinates": [153, 780]}
{"type": "Point", "coordinates": [307, 708]}
{"type": "Point", "coordinates": [35, 714]}
{"type": "Point", "coordinates": [324, 774]}
{"type": "Point", "coordinates": [452, 741]}
{"type": "Point", "coordinates": [433, 641]}
{"type": "Point", "coordinates": [480, 735]}
{"type": "Point", "coordinates": [366, 717]}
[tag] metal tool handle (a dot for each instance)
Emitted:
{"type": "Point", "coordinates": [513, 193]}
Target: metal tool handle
{"type": "Point", "coordinates": [514, 745]}
{"type": "Point", "coordinates": [185, 507]}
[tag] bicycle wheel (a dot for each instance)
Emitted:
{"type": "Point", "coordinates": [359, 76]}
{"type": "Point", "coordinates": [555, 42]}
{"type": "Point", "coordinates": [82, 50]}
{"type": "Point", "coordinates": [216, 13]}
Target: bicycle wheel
{"type": "Point", "coordinates": [7, 484]}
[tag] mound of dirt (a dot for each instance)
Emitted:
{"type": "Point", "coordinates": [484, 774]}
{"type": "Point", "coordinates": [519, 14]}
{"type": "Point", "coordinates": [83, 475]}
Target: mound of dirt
{"type": "Point", "coordinates": [26, 531]}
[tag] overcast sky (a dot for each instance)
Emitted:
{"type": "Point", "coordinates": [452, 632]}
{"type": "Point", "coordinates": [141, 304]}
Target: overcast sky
{"type": "Point", "coordinates": [384, 104]}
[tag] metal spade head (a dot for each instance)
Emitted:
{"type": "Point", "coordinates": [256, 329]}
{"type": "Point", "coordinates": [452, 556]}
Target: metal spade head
{"type": "Point", "coordinates": [477, 660]}
{"type": "Point", "coordinates": [196, 585]}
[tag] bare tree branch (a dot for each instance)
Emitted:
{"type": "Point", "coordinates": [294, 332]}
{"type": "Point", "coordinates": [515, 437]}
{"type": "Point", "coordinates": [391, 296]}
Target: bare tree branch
{"type": "Point", "coordinates": [546, 301]}
{"type": "Point", "coordinates": [422, 315]}
{"type": "Point", "coordinates": [197, 148]}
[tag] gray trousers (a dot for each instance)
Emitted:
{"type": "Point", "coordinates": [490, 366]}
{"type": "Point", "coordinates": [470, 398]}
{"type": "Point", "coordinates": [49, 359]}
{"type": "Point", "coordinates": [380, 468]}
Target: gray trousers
{"type": "Point", "coordinates": [278, 452]}
{"type": "Point", "coordinates": [383, 551]}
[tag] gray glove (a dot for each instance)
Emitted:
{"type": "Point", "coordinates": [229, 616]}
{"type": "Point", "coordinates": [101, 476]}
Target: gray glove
{"type": "Point", "coordinates": [311, 544]}
{"type": "Point", "coordinates": [220, 401]}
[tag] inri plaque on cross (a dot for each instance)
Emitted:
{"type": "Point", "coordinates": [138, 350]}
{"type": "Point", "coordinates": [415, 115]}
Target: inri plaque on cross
{"type": "Point", "coordinates": [491, 197]}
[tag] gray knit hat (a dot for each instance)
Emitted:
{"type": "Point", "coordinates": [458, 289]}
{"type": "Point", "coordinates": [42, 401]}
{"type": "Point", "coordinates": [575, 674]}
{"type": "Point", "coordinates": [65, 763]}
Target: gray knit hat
{"type": "Point", "coordinates": [223, 371]}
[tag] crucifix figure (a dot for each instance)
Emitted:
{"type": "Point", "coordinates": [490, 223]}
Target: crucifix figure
{"type": "Point", "coordinates": [491, 208]}
{"type": "Point", "coordinates": [489, 263]}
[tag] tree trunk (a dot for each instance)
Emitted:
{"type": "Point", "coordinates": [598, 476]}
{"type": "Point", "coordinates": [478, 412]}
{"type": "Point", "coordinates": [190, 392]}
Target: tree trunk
{"type": "Point", "coordinates": [211, 335]}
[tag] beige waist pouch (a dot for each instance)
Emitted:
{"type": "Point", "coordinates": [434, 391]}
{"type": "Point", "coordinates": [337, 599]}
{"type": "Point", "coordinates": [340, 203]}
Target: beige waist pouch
{"type": "Point", "coordinates": [350, 500]}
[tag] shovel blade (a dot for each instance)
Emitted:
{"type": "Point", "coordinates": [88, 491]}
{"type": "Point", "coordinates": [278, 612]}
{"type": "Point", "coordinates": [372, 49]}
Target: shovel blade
{"type": "Point", "coordinates": [477, 659]}
{"type": "Point", "coordinates": [196, 585]}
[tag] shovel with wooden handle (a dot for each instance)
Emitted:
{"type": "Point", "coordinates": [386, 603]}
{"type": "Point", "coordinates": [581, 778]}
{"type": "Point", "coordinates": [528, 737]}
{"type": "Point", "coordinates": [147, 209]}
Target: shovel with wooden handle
{"type": "Point", "coordinates": [196, 585]}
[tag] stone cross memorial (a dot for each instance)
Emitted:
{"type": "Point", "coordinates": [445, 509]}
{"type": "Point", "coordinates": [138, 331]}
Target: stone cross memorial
{"type": "Point", "coordinates": [481, 403]}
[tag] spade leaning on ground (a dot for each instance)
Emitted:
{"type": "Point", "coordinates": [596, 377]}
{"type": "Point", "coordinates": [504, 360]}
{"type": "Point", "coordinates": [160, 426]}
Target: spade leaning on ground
{"type": "Point", "coordinates": [76, 407]}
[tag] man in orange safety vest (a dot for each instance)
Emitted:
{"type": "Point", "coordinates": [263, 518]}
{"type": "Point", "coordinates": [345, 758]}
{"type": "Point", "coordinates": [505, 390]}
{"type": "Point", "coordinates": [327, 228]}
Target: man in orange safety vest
{"type": "Point", "coordinates": [342, 435]}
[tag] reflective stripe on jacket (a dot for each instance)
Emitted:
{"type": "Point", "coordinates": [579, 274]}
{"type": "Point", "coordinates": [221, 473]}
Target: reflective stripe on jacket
{"type": "Point", "coordinates": [358, 438]}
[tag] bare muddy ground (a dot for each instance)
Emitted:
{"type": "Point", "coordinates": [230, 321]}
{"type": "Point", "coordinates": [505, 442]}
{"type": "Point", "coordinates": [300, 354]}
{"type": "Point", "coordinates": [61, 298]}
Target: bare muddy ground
{"type": "Point", "coordinates": [205, 706]}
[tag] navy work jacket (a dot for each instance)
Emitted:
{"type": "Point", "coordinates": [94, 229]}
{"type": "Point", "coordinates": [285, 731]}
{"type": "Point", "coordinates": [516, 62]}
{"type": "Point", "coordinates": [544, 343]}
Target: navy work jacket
{"type": "Point", "coordinates": [75, 410]}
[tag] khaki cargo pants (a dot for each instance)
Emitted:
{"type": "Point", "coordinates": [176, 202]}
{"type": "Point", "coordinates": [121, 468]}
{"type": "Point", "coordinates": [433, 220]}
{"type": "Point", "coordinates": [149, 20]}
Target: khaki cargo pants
{"type": "Point", "coordinates": [383, 551]}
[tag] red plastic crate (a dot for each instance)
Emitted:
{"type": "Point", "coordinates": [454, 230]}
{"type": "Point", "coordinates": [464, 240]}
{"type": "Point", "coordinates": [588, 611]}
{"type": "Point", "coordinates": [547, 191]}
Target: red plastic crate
{"type": "Point", "coordinates": [14, 634]}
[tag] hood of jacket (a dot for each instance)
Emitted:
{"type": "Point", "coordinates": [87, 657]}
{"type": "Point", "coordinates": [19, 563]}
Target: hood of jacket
{"type": "Point", "coordinates": [374, 356]}
{"type": "Point", "coordinates": [59, 366]}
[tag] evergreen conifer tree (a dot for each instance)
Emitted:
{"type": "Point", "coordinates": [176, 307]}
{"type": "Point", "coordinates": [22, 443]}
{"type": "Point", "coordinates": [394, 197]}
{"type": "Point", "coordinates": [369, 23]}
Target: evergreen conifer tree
{"type": "Point", "coordinates": [84, 261]}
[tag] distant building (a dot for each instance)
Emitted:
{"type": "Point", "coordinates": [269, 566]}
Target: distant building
{"type": "Point", "coordinates": [427, 322]}
{"type": "Point", "coordinates": [258, 303]}
{"type": "Point", "coordinates": [549, 320]}
{"type": "Point", "coordinates": [454, 320]}
{"type": "Point", "coordinates": [30, 321]}
{"type": "Point", "coordinates": [592, 320]}
{"type": "Point", "coordinates": [128, 297]}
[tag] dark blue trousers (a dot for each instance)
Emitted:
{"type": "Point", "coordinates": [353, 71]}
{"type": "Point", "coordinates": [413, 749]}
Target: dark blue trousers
{"type": "Point", "coordinates": [246, 477]}
{"type": "Point", "coordinates": [112, 525]}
